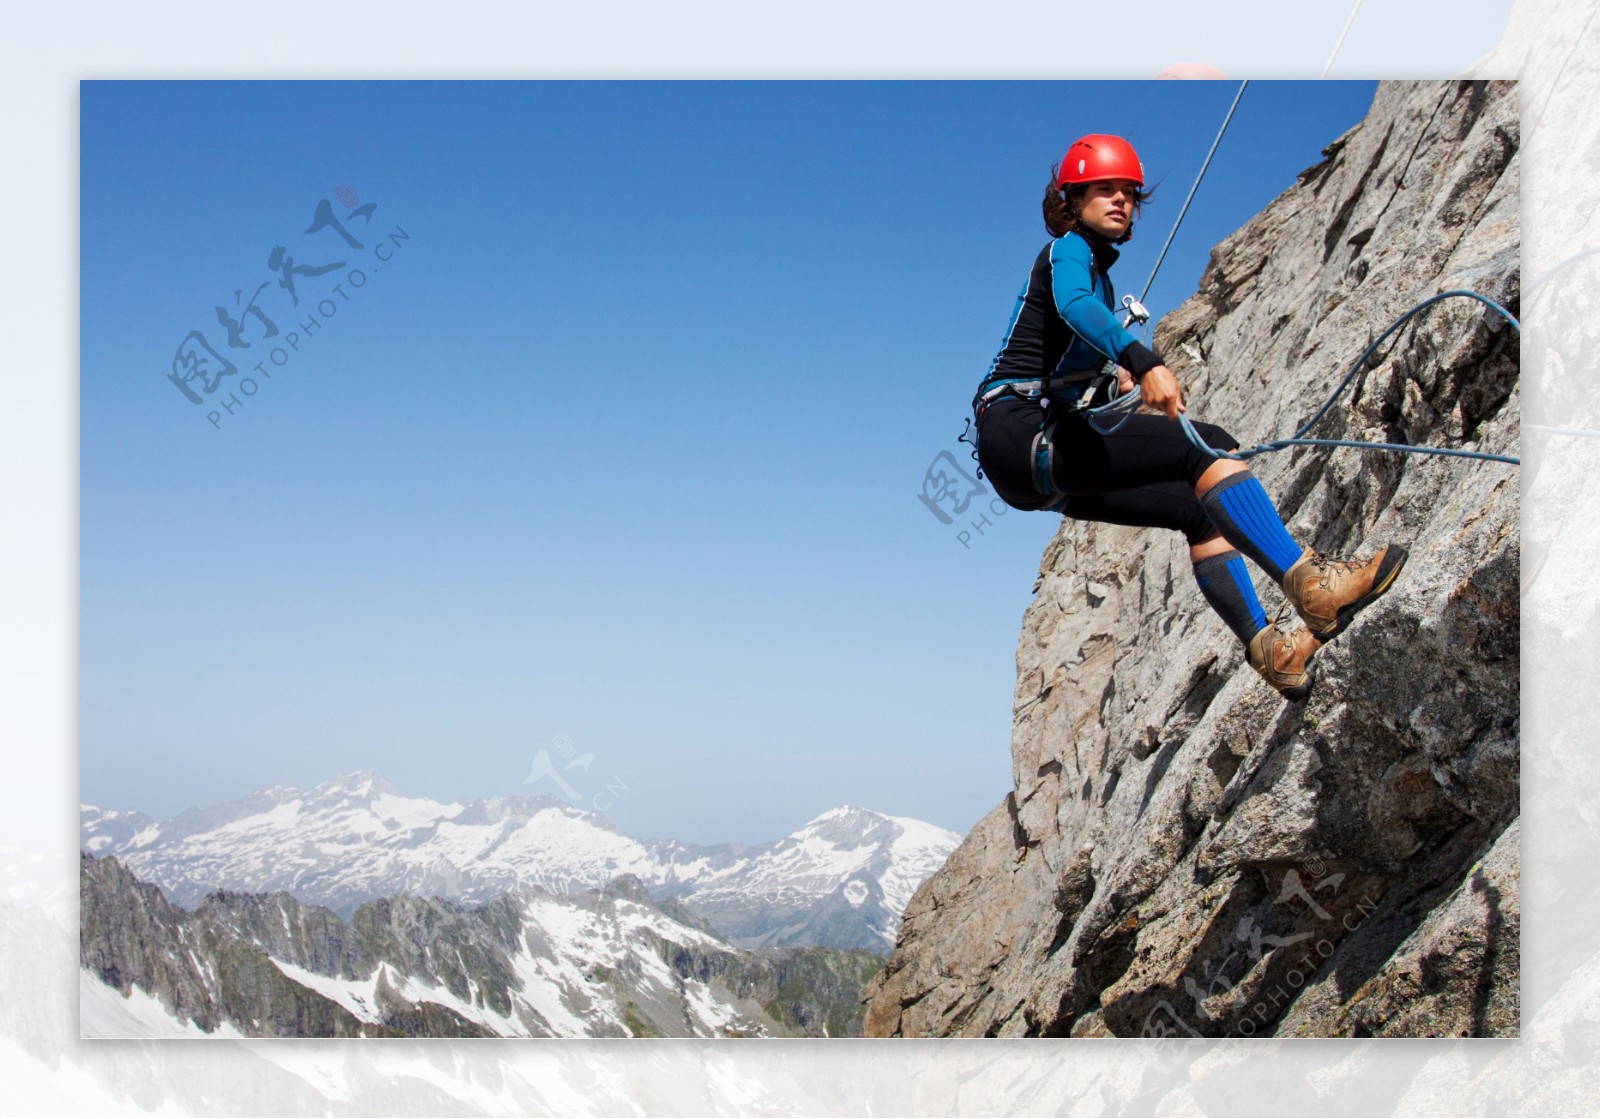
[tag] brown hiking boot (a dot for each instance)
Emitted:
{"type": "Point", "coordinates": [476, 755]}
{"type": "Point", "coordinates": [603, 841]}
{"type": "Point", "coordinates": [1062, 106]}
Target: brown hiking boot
{"type": "Point", "coordinates": [1327, 592]}
{"type": "Point", "coordinates": [1283, 659]}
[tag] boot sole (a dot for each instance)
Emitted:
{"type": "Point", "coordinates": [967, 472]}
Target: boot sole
{"type": "Point", "coordinates": [1301, 691]}
{"type": "Point", "coordinates": [1294, 693]}
{"type": "Point", "coordinates": [1393, 560]}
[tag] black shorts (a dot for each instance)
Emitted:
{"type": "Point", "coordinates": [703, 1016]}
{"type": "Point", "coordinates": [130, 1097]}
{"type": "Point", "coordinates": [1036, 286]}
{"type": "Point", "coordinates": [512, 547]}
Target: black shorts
{"type": "Point", "coordinates": [1142, 474]}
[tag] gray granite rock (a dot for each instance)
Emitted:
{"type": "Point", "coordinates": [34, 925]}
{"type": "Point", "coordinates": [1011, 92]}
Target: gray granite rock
{"type": "Point", "coordinates": [1184, 851]}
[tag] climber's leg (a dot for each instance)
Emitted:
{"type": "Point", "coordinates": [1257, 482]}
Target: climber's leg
{"type": "Point", "coordinates": [1326, 593]}
{"type": "Point", "coordinates": [1147, 452]}
{"type": "Point", "coordinates": [1218, 470]}
{"type": "Point", "coordinates": [1218, 569]}
{"type": "Point", "coordinates": [1164, 505]}
{"type": "Point", "coordinates": [1240, 508]}
{"type": "Point", "coordinates": [1214, 545]}
{"type": "Point", "coordinates": [1284, 659]}
{"type": "Point", "coordinates": [1155, 447]}
{"type": "Point", "coordinates": [1225, 582]}
{"type": "Point", "coordinates": [1279, 656]}
{"type": "Point", "coordinates": [1143, 450]}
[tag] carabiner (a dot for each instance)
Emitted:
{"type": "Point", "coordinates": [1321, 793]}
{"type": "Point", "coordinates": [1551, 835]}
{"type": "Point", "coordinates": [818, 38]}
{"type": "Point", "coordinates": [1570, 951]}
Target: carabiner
{"type": "Point", "coordinates": [1136, 311]}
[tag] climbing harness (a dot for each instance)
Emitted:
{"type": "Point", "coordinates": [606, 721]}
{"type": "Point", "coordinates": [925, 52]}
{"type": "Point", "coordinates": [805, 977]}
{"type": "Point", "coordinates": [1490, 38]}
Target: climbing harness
{"type": "Point", "coordinates": [1089, 383]}
{"type": "Point", "coordinates": [1044, 460]}
{"type": "Point", "coordinates": [1034, 388]}
{"type": "Point", "coordinates": [1085, 381]}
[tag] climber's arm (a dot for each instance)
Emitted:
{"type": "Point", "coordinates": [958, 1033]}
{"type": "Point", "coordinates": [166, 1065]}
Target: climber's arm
{"type": "Point", "coordinates": [1071, 281]}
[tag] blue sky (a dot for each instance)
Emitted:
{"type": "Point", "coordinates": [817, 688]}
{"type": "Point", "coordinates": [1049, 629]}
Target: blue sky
{"type": "Point", "coordinates": [620, 445]}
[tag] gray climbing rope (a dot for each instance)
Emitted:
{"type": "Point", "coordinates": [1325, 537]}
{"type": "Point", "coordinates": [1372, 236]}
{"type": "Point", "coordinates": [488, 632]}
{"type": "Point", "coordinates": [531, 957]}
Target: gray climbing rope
{"type": "Point", "coordinates": [1214, 143]}
{"type": "Point", "coordinates": [1127, 402]}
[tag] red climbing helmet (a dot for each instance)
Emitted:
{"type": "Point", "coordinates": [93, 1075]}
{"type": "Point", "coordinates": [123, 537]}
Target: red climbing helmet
{"type": "Point", "coordinates": [1097, 157]}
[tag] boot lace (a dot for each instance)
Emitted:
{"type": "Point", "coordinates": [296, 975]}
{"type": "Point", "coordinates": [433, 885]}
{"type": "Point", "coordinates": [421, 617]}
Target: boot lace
{"type": "Point", "coordinates": [1283, 622]}
{"type": "Point", "coordinates": [1327, 565]}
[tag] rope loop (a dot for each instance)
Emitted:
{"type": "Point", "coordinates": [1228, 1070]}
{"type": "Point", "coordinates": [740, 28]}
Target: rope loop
{"type": "Point", "coordinates": [1129, 401]}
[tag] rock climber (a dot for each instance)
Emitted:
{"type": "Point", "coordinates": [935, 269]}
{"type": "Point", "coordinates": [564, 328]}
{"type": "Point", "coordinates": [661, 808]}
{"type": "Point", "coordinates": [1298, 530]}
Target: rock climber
{"type": "Point", "coordinates": [1040, 449]}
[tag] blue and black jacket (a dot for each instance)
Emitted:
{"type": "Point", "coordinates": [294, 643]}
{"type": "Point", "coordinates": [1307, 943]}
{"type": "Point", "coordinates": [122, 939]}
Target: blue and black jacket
{"type": "Point", "coordinates": [1063, 322]}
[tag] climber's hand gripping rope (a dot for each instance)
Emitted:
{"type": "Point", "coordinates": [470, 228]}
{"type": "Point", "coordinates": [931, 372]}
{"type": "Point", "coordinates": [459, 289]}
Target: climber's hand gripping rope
{"type": "Point", "coordinates": [1126, 403]}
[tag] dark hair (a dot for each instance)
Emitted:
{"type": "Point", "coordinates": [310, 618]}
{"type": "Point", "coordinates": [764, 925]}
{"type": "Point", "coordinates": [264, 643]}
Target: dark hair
{"type": "Point", "coordinates": [1063, 206]}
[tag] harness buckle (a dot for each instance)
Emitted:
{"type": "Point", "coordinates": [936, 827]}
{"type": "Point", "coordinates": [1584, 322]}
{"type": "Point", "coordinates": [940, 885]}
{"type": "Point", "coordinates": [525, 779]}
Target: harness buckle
{"type": "Point", "coordinates": [1044, 461]}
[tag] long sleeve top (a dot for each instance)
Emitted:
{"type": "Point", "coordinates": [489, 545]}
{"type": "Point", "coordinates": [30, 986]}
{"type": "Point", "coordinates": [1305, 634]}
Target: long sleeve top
{"type": "Point", "coordinates": [1063, 321]}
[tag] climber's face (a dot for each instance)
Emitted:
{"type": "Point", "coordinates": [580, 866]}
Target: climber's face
{"type": "Point", "coordinates": [1108, 206]}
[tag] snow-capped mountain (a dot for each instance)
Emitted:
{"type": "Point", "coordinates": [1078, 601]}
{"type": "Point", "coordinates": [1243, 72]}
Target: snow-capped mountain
{"type": "Point", "coordinates": [840, 881]}
{"type": "Point", "coordinates": [606, 963]}
{"type": "Point", "coordinates": [103, 830]}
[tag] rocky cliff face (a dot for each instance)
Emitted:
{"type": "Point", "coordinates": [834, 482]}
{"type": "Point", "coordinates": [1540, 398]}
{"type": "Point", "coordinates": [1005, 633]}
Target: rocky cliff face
{"type": "Point", "coordinates": [1185, 852]}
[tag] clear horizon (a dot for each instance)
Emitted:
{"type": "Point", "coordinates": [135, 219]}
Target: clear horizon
{"type": "Point", "coordinates": [617, 442]}
{"type": "Point", "coordinates": [554, 798]}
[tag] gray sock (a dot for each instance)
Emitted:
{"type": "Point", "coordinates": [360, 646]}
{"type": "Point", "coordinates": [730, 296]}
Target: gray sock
{"type": "Point", "coordinates": [1225, 582]}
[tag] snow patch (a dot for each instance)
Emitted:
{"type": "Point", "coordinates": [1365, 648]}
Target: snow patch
{"type": "Point", "coordinates": [145, 836]}
{"type": "Point", "coordinates": [103, 1012]}
{"type": "Point", "coordinates": [359, 997]}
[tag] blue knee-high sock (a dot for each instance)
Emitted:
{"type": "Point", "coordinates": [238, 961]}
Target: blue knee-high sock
{"type": "Point", "coordinates": [1225, 582]}
{"type": "Point", "coordinates": [1248, 520]}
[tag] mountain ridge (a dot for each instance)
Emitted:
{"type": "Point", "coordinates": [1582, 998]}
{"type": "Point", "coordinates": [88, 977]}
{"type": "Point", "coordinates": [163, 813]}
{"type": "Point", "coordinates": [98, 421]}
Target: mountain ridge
{"type": "Point", "coordinates": [355, 838]}
{"type": "Point", "coordinates": [605, 963]}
